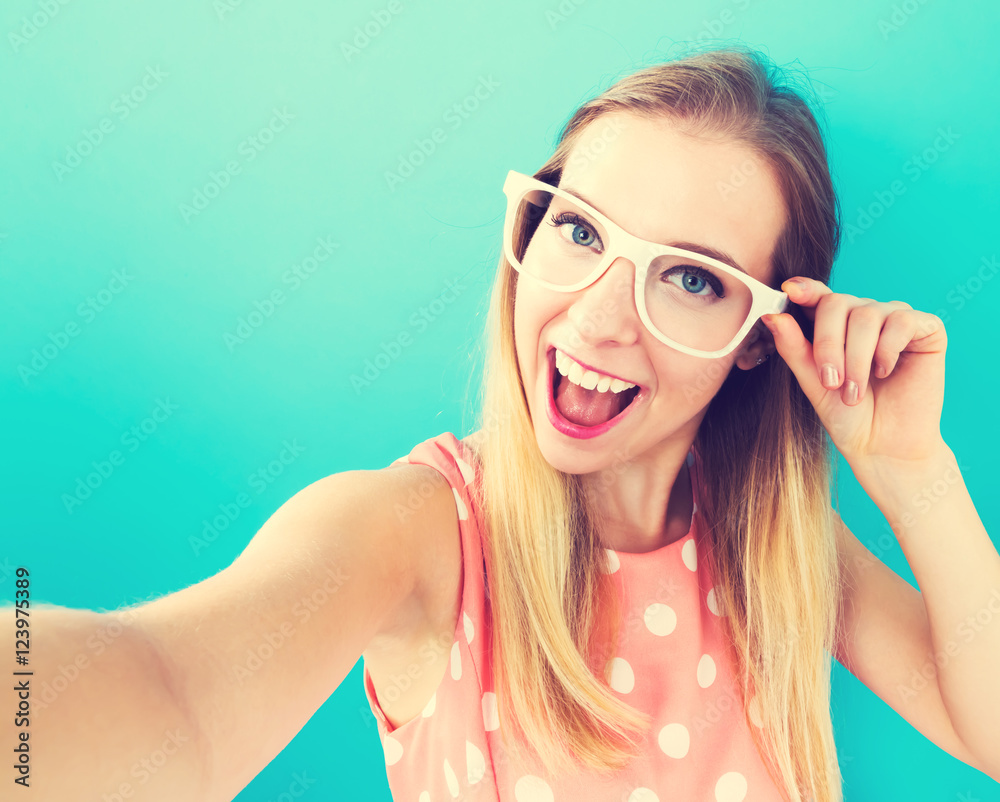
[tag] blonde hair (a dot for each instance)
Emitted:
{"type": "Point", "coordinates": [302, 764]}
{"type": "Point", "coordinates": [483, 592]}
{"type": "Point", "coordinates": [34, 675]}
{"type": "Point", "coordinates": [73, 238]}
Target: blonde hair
{"type": "Point", "coordinates": [765, 501]}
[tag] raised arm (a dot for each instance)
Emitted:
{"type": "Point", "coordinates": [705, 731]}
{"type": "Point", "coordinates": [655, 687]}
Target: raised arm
{"type": "Point", "coordinates": [220, 676]}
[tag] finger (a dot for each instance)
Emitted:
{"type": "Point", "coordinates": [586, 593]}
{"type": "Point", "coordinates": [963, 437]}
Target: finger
{"type": "Point", "coordinates": [901, 327]}
{"type": "Point", "coordinates": [805, 292]}
{"type": "Point", "coordinates": [864, 327]}
{"type": "Point", "coordinates": [829, 337]}
{"type": "Point", "coordinates": [795, 350]}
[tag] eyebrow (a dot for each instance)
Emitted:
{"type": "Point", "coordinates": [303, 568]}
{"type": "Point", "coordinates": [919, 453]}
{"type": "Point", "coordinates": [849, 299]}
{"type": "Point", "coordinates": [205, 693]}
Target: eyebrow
{"type": "Point", "coordinates": [704, 250]}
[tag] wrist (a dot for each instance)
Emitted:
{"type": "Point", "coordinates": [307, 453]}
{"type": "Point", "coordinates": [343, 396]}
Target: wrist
{"type": "Point", "coordinates": [901, 486]}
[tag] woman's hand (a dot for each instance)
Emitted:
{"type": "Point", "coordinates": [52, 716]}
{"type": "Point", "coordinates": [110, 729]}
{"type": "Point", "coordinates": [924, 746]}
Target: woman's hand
{"type": "Point", "coordinates": [874, 372]}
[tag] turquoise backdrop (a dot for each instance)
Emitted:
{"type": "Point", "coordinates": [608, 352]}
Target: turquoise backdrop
{"type": "Point", "coordinates": [215, 215]}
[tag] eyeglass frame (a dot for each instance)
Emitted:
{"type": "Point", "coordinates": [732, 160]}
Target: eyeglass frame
{"type": "Point", "coordinates": [765, 300]}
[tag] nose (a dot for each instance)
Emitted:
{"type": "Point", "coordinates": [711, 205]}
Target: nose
{"type": "Point", "coordinates": [606, 309]}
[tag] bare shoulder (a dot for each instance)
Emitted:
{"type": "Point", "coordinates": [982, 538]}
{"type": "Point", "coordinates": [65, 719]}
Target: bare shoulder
{"type": "Point", "coordinates": [421, 628]}
{"type": "Point", "coordinates": [428, 531]}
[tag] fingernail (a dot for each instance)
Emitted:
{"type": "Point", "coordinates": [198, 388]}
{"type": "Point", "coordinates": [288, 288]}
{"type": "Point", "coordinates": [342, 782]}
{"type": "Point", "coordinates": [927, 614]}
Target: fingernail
{"type": "Point", "coordinates": [851, 391]}
{"type": "Point", "coordinates": [795, 282]}
{"type": "Point", "coordinates": [830, 377]}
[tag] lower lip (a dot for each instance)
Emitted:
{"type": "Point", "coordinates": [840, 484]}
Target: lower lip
{"type": "Point", "coordinates": [571, 429]}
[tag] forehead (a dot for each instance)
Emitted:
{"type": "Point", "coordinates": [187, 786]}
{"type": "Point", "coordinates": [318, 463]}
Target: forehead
{"type": "Point", "coordinates": [666, 186]}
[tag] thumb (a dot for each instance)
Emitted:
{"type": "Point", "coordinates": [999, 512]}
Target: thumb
{"type": "Point", "coordinates": [797, 352]}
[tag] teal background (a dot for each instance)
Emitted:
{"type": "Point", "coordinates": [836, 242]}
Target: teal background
{"type": "Point", "coordinates": [224, 69]}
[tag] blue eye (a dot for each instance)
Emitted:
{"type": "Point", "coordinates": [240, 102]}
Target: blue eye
{"type": "Point", "coordinates": [694, 281]}
{"type": "Point", "coordinates": [581, 234]}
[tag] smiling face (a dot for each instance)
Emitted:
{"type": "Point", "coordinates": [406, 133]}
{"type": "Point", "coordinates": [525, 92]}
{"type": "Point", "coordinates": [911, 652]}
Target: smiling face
{"type": "Point", "coordinates": [667, 187]}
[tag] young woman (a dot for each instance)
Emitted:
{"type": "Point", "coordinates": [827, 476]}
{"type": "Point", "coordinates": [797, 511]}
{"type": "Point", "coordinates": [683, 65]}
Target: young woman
{"type": "Point", "coordinates": [629, 582]}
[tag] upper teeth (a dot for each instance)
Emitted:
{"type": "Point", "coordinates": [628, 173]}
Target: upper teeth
{"type": "Point", "coordinates": [588, 379]}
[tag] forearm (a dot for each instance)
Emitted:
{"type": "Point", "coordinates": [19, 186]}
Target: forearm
{"type": "Point", "coordinates": [958, 570]}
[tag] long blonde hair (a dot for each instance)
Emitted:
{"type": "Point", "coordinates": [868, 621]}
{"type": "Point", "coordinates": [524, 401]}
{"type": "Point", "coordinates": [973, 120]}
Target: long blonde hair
{"type": "Point", "coordinates": [765, 501]}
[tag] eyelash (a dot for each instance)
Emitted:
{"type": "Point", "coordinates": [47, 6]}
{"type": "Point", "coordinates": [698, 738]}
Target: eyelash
{"type": "Point", "coordinates": [694, 270]}
{"type": "Point", "coordinates": [571, 217]}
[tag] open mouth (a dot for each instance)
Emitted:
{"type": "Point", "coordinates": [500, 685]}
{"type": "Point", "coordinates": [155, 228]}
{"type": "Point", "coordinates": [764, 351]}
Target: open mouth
{"type": "Point", "coordinates": [580, 412]}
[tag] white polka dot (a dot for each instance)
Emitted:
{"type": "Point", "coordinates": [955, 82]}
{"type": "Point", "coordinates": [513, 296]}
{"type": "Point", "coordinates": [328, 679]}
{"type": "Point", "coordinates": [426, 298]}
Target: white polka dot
{"type": "Point", "coordinates": [674, 740]}
{"type": "Point", "coordinates": [475, 763]}
{"type": "Point", "coordinates": [706, 671]}
{"type": "Point", "coordinates": [450, 778]}
{"type": "Point", "coordinates": [425, 796]}
{"type": "Point", "coordinates": [643, 795]}
{"type": "Point", "coordinates": [468, 474]}
{"type": "Point", "coordinates": [393, 750]}
{"type": "Point", "coordinates": [532, 789]}
{"type": "Point", "coordinates": [660, 618]}
{"type": "Point", "coordinates": [470, 628]}
{"type": "Point", "coordinates": [694, 508]}
{"type": "Point", "coordinates": [491, 718]}
{"type": "Point", "coordinates": [753, 708]}
{"type": "Point", "coordinates": [622, 676]}
{"type": "Point", "coordinates": [456, 661]}
{"type": "Point", "coordinates": [689, 554]}
{"type": "Point", "coordinates": [731, 787]}
{"type": "Point", "coordinates": [428, 710]}
{"type": "Point", "coordinates": [712, 602]}
{"type": "Point", "coordinates": [463, 513]}
{"type": "Point", "coordinates": [613, 563]}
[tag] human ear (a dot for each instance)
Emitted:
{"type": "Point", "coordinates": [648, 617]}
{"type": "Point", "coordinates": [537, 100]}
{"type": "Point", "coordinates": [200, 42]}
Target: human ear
{"type": "Point", "coordinates": [758, 346]}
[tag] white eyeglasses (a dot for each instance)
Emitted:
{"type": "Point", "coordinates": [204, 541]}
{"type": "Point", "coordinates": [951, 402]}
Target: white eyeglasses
{"type": "Point", "coordinates": [696, 304]}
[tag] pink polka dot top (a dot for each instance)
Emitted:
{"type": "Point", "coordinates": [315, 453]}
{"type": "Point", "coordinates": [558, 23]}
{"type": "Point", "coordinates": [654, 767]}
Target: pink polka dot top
{"type": "Point", "coordinates": [670, 664]}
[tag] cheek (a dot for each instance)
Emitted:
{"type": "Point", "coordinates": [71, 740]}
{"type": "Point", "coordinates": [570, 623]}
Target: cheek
{"type": "Point", "coordinates": [692, 382]}
{"type": "Point", "coordinates": [526, 330]}
{"type": "Point", "coordinates": [533, 309]}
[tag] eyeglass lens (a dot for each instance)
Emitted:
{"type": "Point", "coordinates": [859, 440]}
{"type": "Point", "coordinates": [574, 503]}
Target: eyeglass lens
{"type": "Point", "coordinates": [689, 301]}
